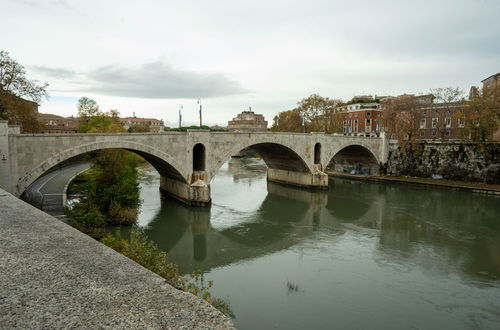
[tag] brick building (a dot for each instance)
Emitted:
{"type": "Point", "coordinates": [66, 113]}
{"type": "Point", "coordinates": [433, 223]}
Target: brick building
{"type": "Point", "coordinates": [57, 124]}
{"type": "Point", "coordinates": [359, 118]}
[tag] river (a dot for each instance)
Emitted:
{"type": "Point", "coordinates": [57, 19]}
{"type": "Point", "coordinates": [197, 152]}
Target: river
{"type": "Point", "coordinates": [359, 256]}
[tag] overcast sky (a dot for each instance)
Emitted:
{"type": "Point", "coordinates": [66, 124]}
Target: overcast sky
{"type": "Point", "coordinates": [149, 57]}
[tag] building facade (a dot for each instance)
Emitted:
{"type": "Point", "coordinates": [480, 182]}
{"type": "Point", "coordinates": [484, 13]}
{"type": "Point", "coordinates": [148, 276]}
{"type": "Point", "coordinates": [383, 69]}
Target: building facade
{"type": "Point", "coordinates": [247, 121]}
{"type": "Point", "coordinates": [492, 82]}
{"type": "Point", "coordinates": [441, 121]}
{"type": "Point", "coordinates": [155, 125]}
{"type": "Point", "coordinates": [57, 124]}
{"type": "Point", "coordinates": [359, 118]}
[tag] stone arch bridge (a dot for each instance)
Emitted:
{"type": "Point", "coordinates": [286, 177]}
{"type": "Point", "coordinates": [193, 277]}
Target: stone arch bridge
{"type": "Point", "coordinates": [186, 161]}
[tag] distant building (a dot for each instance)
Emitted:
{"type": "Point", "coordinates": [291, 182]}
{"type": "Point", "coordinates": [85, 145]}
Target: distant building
{"type": "Point", "coordinates": [155, 125]}
{"type": "Point", "coordinates": [57, 124]}
{"type": "Point", "coordinates": [359, 118]}
{"type": "Point", "coordinates": [247, 121]}
{"type": "Point", "coordinates": [491, 85]}
{"type": "Point", "coordinates": [440, 121]}
{"type": "Point", "coordinates": [492, 81]}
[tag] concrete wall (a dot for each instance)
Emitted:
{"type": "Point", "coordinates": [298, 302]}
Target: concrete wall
{"type": "Point", "coordinates": [54, 277]}
{"type": "Point", "coordinates": [453, 160]}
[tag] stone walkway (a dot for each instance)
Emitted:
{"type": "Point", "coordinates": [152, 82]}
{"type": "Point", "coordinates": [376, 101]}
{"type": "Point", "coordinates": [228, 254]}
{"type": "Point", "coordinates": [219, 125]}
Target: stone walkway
{"type": "Point", "coordinates": [53, 276]}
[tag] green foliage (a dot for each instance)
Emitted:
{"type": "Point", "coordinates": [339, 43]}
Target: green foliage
{"type": "Point", "coordinates": [139, 128]}
{"type": "Point", "coordinates": [87, 218]}
{"type": "Point", "coordinates": [92, 120]}
{"type": "Point", "coordinates": [143, 251]}
{"type": "Point", "coordinates": [110, 192]}
{"type": "Point", "coordinates": [318, 112]}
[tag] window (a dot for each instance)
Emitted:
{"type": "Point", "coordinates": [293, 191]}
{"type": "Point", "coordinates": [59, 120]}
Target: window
{"type": "Point", "coordinates": [423, 123]}
{"type": "Point", "coordinates": [447, 133]}
{"type": "Point", "coordinates": [461, 123]}
{"type": "Point", "coordinates": [435, 122]}
{"type": "Point", "coordinates": [368, 113]}
{"type": "Point", "coordinates": [447, 122]}
{"type": "Point", "coordinates": [422, 133]}
{"type": "Point", "coordinates": [355, 114]}
{"type": "Point", "coordinates": [434, 133]}
{"type": "Point", "coordinates": [356, 125]}
{"type": "Point", "coordinates": [424, 113]}
{"type": "Point", "coordinates": [368, 125]}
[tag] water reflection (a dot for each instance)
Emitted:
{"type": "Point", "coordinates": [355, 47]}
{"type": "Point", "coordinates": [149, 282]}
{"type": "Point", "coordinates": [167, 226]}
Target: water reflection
{"type": "Point", "coordinates": [454, 231]}
{"type": "Point", "coordinates": [379, 247]}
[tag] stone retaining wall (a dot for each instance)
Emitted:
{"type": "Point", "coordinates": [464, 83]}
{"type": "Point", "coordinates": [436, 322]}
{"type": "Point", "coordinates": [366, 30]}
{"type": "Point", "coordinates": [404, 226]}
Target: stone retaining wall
{"type": "Point", "coordinates": [465, 161]}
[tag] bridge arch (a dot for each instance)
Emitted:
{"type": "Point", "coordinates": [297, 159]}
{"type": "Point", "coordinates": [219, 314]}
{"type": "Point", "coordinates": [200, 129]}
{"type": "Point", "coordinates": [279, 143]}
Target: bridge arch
{"type": "Point", "coordinates": [165, 164]}
{"type": "Point", "coordinates": [354, 158]}
{"type": "Point", "coordinates": [276, 155]}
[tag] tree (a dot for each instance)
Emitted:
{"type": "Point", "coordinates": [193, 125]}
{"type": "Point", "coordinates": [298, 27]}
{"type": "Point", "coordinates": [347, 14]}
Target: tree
{"type": "Point", "coordinates": [316, 112]}
{"type": "Point", "coordinates": [87, 108]}
{"type": "Point", "coordinates": [315, 106]}
{"type": "Point", "coordinates": [448, 100]}
{"type": "Point", "coordinates": [139, 128]}
{"type": "Point", "coordinates": [19, 95]}
{"type": "Point", "coordinates": [92, 120]}
{"type": "Point", "coordinates": [479, 116]}
{"type": "Point", "coordinates": [402, 117]}
{"type": "Point", "coordinates": [288, 121]}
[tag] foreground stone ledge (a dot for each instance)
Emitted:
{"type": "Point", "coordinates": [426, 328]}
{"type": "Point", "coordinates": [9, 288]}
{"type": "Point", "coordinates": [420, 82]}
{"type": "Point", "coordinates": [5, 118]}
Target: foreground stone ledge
{"type": "Point", "coordinates": [53, 276]}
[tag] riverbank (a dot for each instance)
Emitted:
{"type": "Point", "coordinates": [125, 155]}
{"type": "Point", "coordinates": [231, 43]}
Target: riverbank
{"type": "Point", "coordinates": [477, 187]}
{"type": "Point", "coordinates": [53, 276]}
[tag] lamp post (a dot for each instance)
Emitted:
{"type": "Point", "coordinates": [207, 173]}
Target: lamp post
{"type": "Point", "coordinates": [199, 102]}
{"type": "Point", "coordinates": [180, 116]}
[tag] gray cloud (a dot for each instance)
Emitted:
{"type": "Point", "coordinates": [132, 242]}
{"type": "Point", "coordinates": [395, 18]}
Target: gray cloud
{"type": "Point", "coordinates": [159, 81]}
{"type": "Point", "coordinates": [59, 73]}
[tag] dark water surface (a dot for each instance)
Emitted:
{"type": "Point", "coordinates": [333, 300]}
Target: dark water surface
{"type": "Point", "coordinates": [360, 256]}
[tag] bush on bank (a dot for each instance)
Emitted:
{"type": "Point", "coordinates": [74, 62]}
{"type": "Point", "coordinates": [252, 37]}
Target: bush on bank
{"type": "Point", "coordinates": [110, 193]}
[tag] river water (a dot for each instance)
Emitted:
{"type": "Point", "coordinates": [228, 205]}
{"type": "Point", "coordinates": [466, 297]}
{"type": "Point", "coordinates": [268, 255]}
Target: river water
{"type": "Point", "coordinates": [359, 256]}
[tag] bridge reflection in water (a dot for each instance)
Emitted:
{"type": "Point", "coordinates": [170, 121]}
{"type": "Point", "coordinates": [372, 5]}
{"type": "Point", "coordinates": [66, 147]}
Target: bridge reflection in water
{"type": "Point", "coordinates": [358, 256]}
{"type": "Point", "coordinates": [246, 222]}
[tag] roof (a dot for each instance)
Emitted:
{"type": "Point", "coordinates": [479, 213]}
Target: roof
{"type": "Point", "coordinates": [493, 75]}
{"type": "Point", "coordinates": [139, 119]}
{"type": "Point", "coordinates": [49, 115]}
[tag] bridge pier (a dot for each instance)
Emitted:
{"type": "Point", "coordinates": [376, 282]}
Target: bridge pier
{"type": "Point", "coordinates": [315, 180]}
{"type": "Point", "coordinates": [195, 194]}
